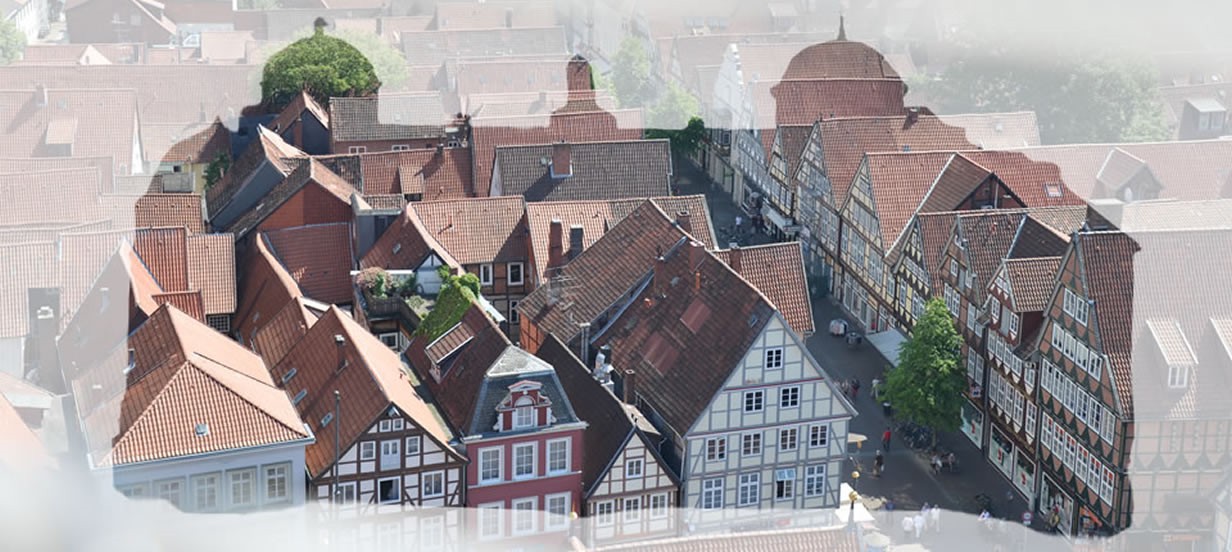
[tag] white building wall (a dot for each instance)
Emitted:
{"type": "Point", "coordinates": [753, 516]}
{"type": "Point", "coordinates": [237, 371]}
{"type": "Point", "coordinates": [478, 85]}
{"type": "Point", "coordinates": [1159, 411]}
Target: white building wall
{"type": "Point", "coordinates": [617, 485]}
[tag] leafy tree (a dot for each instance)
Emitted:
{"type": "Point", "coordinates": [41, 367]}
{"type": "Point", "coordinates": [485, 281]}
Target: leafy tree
{"type": "Point", "coordinates": [926, 387]}
{"type": "Point", "coordinates": [631, 75]}
{"type": "Point", "coordinates": [1078, 99]}
{"type": "Point", "coordinates": [216, 169]}
{"type": "Point", "coordinates": [388, 62]}
{"type": "Point", "coordinates": [323, 65]}
{"type": "Point", "coordinates": [12, 42]}
{"type": "Point", "coordinates": [684, 142]}
{"type": "Point", "coordinates": [676, 117]}
{"type": "Point", "coordinates": [451, 304]}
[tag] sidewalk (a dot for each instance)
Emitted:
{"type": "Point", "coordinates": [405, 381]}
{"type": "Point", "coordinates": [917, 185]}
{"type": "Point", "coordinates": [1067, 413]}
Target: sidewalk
{"type": "Point", "coordinates": [692, 181]}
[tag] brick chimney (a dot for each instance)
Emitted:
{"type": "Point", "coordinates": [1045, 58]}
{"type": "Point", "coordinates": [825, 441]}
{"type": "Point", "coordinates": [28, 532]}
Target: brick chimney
{"type": "Point", "coordinates": [45, 305]}
{"type": "Point", "coordinates": [913, 115]}
{"type": "Point", "coordinates": [683, 221]}
{"type": "Point", "coordinates": [562, 160]}
{"type": "Point", "coordinates": [628, 385]}
{"type": "Point", "coordinates": [733, 259]}
{"type": "Point", "coordinates": [697, 254]}
{"type": "Point", "coordinates": [575, 240]}
{"type": "Point", "coordinates": [660, 279]}
{"type": "Point", "coordinates": [556, 244]}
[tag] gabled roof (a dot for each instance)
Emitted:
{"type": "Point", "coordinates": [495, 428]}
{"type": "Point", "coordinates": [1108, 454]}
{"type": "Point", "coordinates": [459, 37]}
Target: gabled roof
{"type": "Point", "coordinates": [1031, 282]}
{"type": "Point", "coordinates": [406, 244]}
{"type": "Point", "coordinates": [987, 241]}
{"type": "Point", "coordinates": [479, 230]}
{"type": "Point", "coordinates": [609, 425]}
{"type": "Point", "coordinates": [996, 131]}
{"type": "Point", "coordinates": [596, 170]}
{"type": "Point", "coordinates": [1107, 262]}
{"type": "Point", "coordinates": [191, 390]}
{"type": "Point", "coordinates": [901, 183]}
{"type": "Point", "coordinates": [296, 108]}
{"type": "Point", "coordinates": [777, 270]}
{"type": "Point", "coordinates": [404, 116]}
{"type": "Point", "coordinates": [88, 130]}
{"type": "Point", "coordinates": [1188, 170]}
{"type": "Point", "coordinates": [211, 269]}
{"type": "Point", "coordinates": [792, 139]}
{"type": "Point", "coordinates": [581, 120]}
{"type": "Point", "coordinates": [845, 141]}
{"type": "Point", "coordinates": [283, 330]}
{"type": "Point", "coordinates": [433, 47]}
{"type": "Point", "coordinates": [611, 267]}
{"type": "Point", "coordinates": [369, 377]}
{"type": "Point", "coordinates": [494, 15]}
{"type": "Point", "coordinates": [685, 332]}
{"type": "Point", "coordinates": [181, 143]}
{"type": "Point", "coordinates": [265, 288]}
{"type": "Point", "coordinates": [597, 217]}
{"type": "Point", "coordinates": [269, 148]}
{"type": "Point", "coordinates": [310, 172]}
{"type": "Point", "coordinates": [521, 104]}
{"type": "Point", "coordinates": [461, 366]}
{"type": "Point", "coordinates": [1036, 183]}
{"type": "Point", "coordinates": [319, 258]}
{"type": "Point", "coordinates": [435, 173]}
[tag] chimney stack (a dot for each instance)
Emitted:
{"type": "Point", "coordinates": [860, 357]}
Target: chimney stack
{"type": "Point", "coordinates": [575, 241]}
{"type": "Point", "coordinates": [660, 278]}
{"type": "Point", "coordinates": [734, 258]}
{"type": "Point", "coordinates": [913, 115]}
{"type": "Point", "coordinates": [47, 324]}
{"type": "Point", "coordinates": [556, 244]}
{"type": "Point", "coordinates": [40, 95]}
{"type": "Point", "coordinates": [628, 385]}
{"type": "Point", "coordinates": [697, 254]}
{"type": "Point", "coordinates": [508, 18]}
{"type": "Point", "coordinates": [682, 220]}
{"type": "Point", "coordinates": [562, 160]}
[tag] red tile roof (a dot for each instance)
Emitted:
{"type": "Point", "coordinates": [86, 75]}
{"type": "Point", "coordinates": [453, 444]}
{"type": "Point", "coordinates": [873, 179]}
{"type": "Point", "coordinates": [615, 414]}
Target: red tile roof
{"type": "Point", "coordinates": [56, 196]}
{"type": "Point", "coordinates": [158, 209]}
{"type": "Point", "coordinates": [283, 331]}
{"type": "Point", "coordinates": [901, 183]}
{"type": "Point", "coordinates": [402, 116]}
{"type": "Point", "coordinates": [25, 165]}
{"type": "Point", "coordinates": [265, 288]}
{"type": "Point", "coordinates": [211, 269]}
{"type": "Point", "coordinates": [1189, 170]}
{"type": "Point", "coordinates": [997, 131]}
{"type": "Point", "coordinates": [180, 143]}
{"type": "Point", "coordinates": [839, 59]}
{"type": "Point", "coordinates": [514, 74]}
{"type": "Point", "coordinates": [189, 302]}
{"type": "Point", "coordinates": [292, 112]}
{"type": "Point", "coordinates": [1037, 184]}
{"type": "Point", "coordinates": [267, 148]}
{"type": "Point", "coordinates": [596, 170]}
{"type": "Point", "coordinates": [845, 141]}
{"type": "Point", "coordinates": [597, 217]}
{"type": "Point", "coordinates": [479, 230]}
{"type": "Point", "coordinates": [1107, 259]}
{"type": "Point", "coordinates": [86, 129]}
{"type": "Point", "coordinates": [521, 104]}
{"type": "Point", "coordinates": [165, 253]}
{"type": "Point", "coordinates": [22, 450]}
{"type": "Point", "coordinates": [777, 270]}
{"type": "Point", "coordinates": [1031, 282]}
{"type": "Point", "coordinates": [576, 122]}
{"type": "Point", "coordinates": [26, 265]}
{"type": "Point", "coordinates": [370, 380]}
{"type": "Point", "coordinates": [185, 376]}
{"type": "Point", "coordinates": [310, 174]}
{"type": "Point", "coordinates": [319, 257]}
{"type": "Point", "coordinates": [437, 174]}
{"type": "Point", "coordinates": [405, 245]}
{"type": "Point", "coordinates": [802, 102]}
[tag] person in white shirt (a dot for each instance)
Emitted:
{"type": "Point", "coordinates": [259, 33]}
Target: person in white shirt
{"type": "Point", "coordinates": [935, 514]}
{"type": "Point", "coordinates": [908, 525]}
{"type": "Point", "coordinates": [919, 524]}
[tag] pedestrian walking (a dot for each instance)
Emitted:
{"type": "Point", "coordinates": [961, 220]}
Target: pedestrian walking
{"type": "Point", "coordinates": [878, 464]}
{"type": "Point", "coordinates": [889, 510]}
{"type": "Point", "coordinates": [855, 388]}
{"type": "Point", "coordinates": [936, 463]}
{"type": "Point", "coordinates": [885, 439]}
{"type": "Point", "coordinates": [874, 389]}
{"type": "Point", "coordinates": [908, 525]}
{"type": "Point", "coordinates": [935, 517]}
{"type": "Point", "coordinates": [918, 523]}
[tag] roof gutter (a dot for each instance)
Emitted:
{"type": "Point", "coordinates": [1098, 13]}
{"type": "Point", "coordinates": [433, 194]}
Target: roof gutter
{"type": "Point", "coordinates": [203, 455]}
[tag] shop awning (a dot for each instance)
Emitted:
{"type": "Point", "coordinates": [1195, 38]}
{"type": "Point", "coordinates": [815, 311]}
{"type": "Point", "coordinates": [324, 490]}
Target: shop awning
{"type": "Point", "coordinates": [775, 218]}
{"type": "Point", "coordinates": [887, 343]}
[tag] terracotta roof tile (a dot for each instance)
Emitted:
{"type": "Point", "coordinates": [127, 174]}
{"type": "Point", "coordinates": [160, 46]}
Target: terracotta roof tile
{"type": "Point", "coordinates": [680, 368]}
{"type": "Point", "coordinates": [56, 196]}
{"type": "Point", "coordinates": [1107, 258]}
{"type": "Point", "coordinates": [441, 174]}
{"type": "Point", "coordinates": [479, 230]}
{"type": "Point", "coordinates": [370, 380]}
{"type": "Point", "coordinates": [74, 118]}
{"type": "Point", "coordinates": [596, 170]}
{"type": "Point", "coordinates": [430, 47]}
{"type": "Point", "coordinates": [1037, 184]}
{"type": "Point", "coordinates": [597, 217]}
{"type": "Point", "coordinates": [493, 15]}
{"type": "Point", "coordinates": [405, 245]}
{"type": "Point", "coordinates": [283, 331]}
{"type": "Point", "coordinates": [989, 237]}
{"type": "Point", "coordinates": [27, 165]}
{"type": "Point", "coordinates": [154, 210]}
{"type": "Point", "coordinates": [188, 302]}
{"type": "Point", "coordinates": [566, 124]}
{"type": "Point", "coordinates": [292, 112]}
{"type": "Point", "coordinates": [901, 183]}
{"type": "Point", "coordinates": [802, 102]}
{"type": "Point", "coordinates": [386, 202]}
{"type": "Point", "coordinates": [22, 450]}
{"type": "Point", "coordinates": [25, 265]}
{"type": "Point", "coordinates": [211, 269]}
{"type": "Point", "coordinates": [1188, 170]}
{"type": "Point", "coordinates": [514, 74]}
{"type": "Point", "coordinates": [845, 141]}
{"type": "Point", "coordinates": [462, 373]}
{"type": "Point", "coordinates": [165, 252]}
{"type": "Point", "coordinates": [997, 131]}
{"type": "Point", "coordinates": [1031, 281]}
{"type": "Point", "coordinates": [1175, 215]}
{"type": "Point", "coordinates": [318, 257]}
{"type": "Point", "coordinates": [520, 104]}
{"type": "Point", "coordinates": [387, 117]}
{"type": "Point", "coordinates": [839, 59]}
{"type": "Point", "coordinates": [935, 233]}
{"type": "Point", "coordinates": [180, 143]}
{"type": "Point", "coordinates": [267, 148]}
{"type": "Point", "coordinates": [609, 268]}
{"type": "Point", "coordinates": [777, 270]}
{"type": "Point", "coordinates": [311, 173]}
{"type": "Point", "coordinates": [81, 258]}
{"type": "Point", "coordinates": [265, 288]}
{"type": "Point", "coordinates": [185, 375]}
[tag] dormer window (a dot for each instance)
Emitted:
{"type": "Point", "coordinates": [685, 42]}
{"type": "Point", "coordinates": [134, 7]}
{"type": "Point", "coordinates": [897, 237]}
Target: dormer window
{"type": "Point", "coordinates": [524, 413]}
{"type": "Point", "coordinates": [1178, 376]}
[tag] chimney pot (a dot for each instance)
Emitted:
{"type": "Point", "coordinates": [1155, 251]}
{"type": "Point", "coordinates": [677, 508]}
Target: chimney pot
{"type": "Point", "coordinates": [562, 160]}
{"type": "Point", "coordinates": [575, 240]}
{"type": "Point", "coordinates": [660, 277]}
{"type": "Point", "coordinates": [734, 258]}
{"type": "Point", "coordinates": [628, 386]}
{"type": "Point", "coordinates": [684, 221]}
{"type": "Point", "coordinates": [555, 243]}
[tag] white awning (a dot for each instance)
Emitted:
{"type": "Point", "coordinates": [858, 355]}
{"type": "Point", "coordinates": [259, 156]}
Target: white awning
{"type": "Point", "coordinates": [887, 343]}
{"type": "Point", "coordinates": [774, 217]}
{"type": "Point", "coordinates": [491, 310]}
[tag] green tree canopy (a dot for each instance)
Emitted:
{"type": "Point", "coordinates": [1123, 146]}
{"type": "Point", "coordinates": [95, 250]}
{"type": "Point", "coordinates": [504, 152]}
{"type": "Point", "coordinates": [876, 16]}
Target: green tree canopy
{"type": "Point", "coordinates": [455, 298]}
{"type": "Point", "coordinates": [12, 42]}
{"type": "Point", "coordinates": [676, 117]}
{"type": "Point", "coordinates": [630, 79]}
{"type": "Point", "coordinates": [323, 65]}
{"type": "Point", "coordinates": [1077, 98]}
{"type": "Point", "coordinates": [926, 387]}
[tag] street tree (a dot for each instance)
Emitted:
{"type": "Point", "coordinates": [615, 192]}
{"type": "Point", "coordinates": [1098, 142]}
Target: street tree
{"type": "Point", "coordinates": [12, 42]}
{"type": "Point", "coordinates": [323, 65]}
{"type": "Point", "coordinates": [676, 117]}
{"type": "Point", "coordinates": [631, 75]}
{"type": "Point", "coordinates": [926, 387]}
{"type": "Point", "coordinates": [1077, 98]}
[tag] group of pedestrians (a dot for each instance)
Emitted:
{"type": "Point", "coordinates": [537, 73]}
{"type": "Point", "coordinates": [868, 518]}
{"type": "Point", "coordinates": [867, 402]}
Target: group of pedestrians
{"type": "Point", "coordinates": [927, 519]}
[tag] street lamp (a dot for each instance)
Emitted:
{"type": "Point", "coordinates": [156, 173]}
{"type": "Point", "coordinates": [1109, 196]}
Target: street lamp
{"type": "Point", "coordinates": [852, 497]}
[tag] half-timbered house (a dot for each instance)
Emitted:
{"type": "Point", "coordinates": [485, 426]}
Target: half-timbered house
{"type": "Point", "coordinates": [381, 448]}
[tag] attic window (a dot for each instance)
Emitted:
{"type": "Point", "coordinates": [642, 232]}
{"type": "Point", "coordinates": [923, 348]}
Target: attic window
{"type": "Point", "coordinates": [325, 420]}
{"type": "Point", "coordinates": [299, 396]}
{"type": "Point", "coordinates": [1052, 189]}
{"type": "Point", "coordinates": [132, 361]}
{"type": "Point", "coordinates": [753, 320]}
{"type": "Point", "coordinates": [290, 374]}
{"type": "Point", "coordinates": [202, 429]}
{"type": "Point", "coordinates": [397, 248]}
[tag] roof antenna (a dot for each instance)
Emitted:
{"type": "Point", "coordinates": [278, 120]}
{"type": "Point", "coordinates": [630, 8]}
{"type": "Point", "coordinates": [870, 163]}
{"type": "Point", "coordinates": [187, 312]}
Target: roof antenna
{"type": "Point", "coordinates": [842, 29]}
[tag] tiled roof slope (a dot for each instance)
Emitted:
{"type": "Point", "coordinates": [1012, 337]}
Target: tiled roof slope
{"type": "Point", "coordinates": [92, 122]}
{"type": "Point", "coordinates": [901, 182]}
{"type": "Point", "coordinates": [598, 170]}
{"type": "Point", "coordinates": [370, 379]}
{"type": "Point", "coordinates": [681, 365]}
{"type": "Point", "coordinates": [997, 131]}
{"type": "Point", "coordinates": [802, 102]}
{"type": "Point", "coordinates": [479, 230]}
{"type": "Point", "coordinates": [839, 59]}
{"type": "Point", "coordinates": [597, 217]}
{"type": "Point", "coordinates": [154, 210]}
{"type": "Point", "coordinates": [185, 374]}
{"type": "Point", "coordinates": [1188, 170]}
{"type": "Point", "coordinates": [520, 104]}
{"type": "Point", "coordinates": [211, 269]}
{"type": "Point", "coordinates": [989, 238]}
{"type": "Point", "coordinates": [845, 141]}
{"type": "Point", "coordinates": [1031, 281]}
{"type": "Point", "coordinates": [27, 266]}
{"type": "Point", "coordinates": [179, 143]}
{"type": "Point", "coordinates": [56, 196]}
{"type": "Point", "coordinates": [283, 331]}
{"type": "Point", "coordinates": [1176, 215]}
{"type": "Point", "coordinates": [578, 121]}
{"type": "Point", "coordinates": [387, 117]}
{"type": "Point", "coordinates": [319, 258]}
{"type": "Point", "coordinates": [604, 272]}
{"type": "Point", "coordinates": [1036, 183]}
{"type": "Point", "coordinates": [434, 47]}
{"type": "Point", "coordinates": [514, 365]}
{"type": "Point", "coordinates": [292, 112]}
{"type": "Point", "coordinates": [28, 165]}
{"type": "Point", "coordinates": [405, 245]}
{"type": "Point", "coordinates": [22, 450]}
{"type": "Point", "coordinates": [777, 270]}
{"type": "Point", "coordinates": [309, 173]}
{"type": "Point", "coordinates": [1107, 259]}
{"type": "Point", "coordinates": [436, 174]}
{"type": "Point", "coordinates": [268, 147]}
{"type": "Point", "coordinates": [265, 288]}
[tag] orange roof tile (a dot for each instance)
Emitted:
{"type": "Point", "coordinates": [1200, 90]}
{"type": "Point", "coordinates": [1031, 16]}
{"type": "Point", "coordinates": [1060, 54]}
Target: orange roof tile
{"type": "Point", "coordinates": [777, 270]}
{"type": "Point", "coordinates": [479, 230]}
{"type": "Point", "coordinates": [283, 331]}
{"type": "Point", "coordinates": [1031, 282]}
{"type": "Point", "coordinates": [440, 174]}
{"type": "Point", "coordinates": [165, 253]}
{"type": "Point", "coordinates": [72, 117]}
{"type": "Point", "coordinates": [265, 288]}
{"type": "Point", "coordinates": [211, 269]}
{"type": "Point", "coordinates": [405, 245]}
{"type": "Point", "coordinates": [319, 257]}
{"type": "Point", "coordinates": [189, 302]}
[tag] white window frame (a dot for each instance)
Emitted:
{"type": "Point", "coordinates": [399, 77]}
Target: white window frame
{"type": "Point", "coordinates": [523, 408]}
{"type": "Point", "coordinates": [787, 476]}
{"type": "Point", "coordinates": [500, 465]}
{"type": "Point", "coordinates": [397, 424]}
{"type": "Point", "coordinates": [748, 489]}
{"type": "Point", "coordinates": [165, 489]}
{"type": "Point", "coordinates": [774, 358]}
{"type": "Point", "coordinates": [631, 510]}
{"type": "Point", "coordinates": [658, 506]}
{"type": "Point", "coordinates": [751, 444]}
{"type": "Point", "coordinates": [790, 436]}
{"type": "Point", "coordinates": [523, 514]}
{"type": "Point", "coordinates": [557, 520]}
{"type": "Point", "coordinates": [397, 485]}
{"type": "Point", "coordinates": [485, 274]}
{"type": "Point", "coordinates": [424, 485]}
{"type": "Point", "coordinates": [814, 431]}
{"type": "Point", "coordinates": [348, 492]}
{"type": "Point", "coordinates": [716, 449]}
{"type": "Point", "coordinates": [1178, 376]}
{"type": "Point", "coordinates": [637, 463]}
{"type": "Point", "coordinates": [789, 396]}
{"type": "Point", "coordinates": [198, 484]}
{"type": "Point", "coordinates": [712, 489]}
{"type": "Point", "coordinates": [568, 450]}
{"type": "Point", "coordinates": [411, 450]}
{"type": "Point", "coordinates": [605, 513]}
{"type": "Point", "coordinates": [492, 511]}
{"type": "Point", "coordinates": [253, 493]}
{"type": "Point", "coordinates": [754, 401]}
{"type": "Point", "coordinates": [367, 450]}
{"type": "Point", "coordinates": [521, 274]}
{"type": "Point", "coordinates": [812, 476]}
{"type": "Point", "coordinates": [400, 147]}
{"type": "Point", "coordinates": [534, 461]}
{"type": "Point", "coordinates": [391, 450]}
{"type": "Point", "coordinates": [385, 425]}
